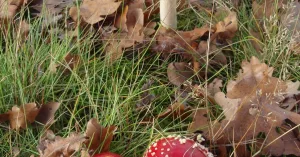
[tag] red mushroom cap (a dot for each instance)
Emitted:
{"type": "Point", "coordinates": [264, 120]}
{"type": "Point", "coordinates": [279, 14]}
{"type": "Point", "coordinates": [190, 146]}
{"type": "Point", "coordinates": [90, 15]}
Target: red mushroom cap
{"type": "Point", "coordinates": [176, 146]}
{"type": "Point", "coordinates": [107, 154]}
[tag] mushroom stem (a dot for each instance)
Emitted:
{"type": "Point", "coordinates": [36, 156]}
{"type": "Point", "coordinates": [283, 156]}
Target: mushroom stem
{"type": "Point", "coordinates": [168, 13]}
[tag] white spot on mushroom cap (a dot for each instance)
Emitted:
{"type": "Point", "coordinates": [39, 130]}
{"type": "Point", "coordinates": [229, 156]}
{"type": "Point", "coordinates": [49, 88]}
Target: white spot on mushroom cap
{"type": "Point", "coordinates": [182, 141]}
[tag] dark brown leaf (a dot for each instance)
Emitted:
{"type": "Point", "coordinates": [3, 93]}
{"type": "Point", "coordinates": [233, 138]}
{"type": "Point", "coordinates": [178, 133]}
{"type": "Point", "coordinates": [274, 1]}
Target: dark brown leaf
{"type": "Point", "coordinates": [179, 72]}
{"type": "Point", "coordinates": [46, 113]}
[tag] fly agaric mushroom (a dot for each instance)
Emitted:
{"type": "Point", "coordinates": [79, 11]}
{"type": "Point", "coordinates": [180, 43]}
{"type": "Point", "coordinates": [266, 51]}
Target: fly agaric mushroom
{"type": "Point", "coordinates": [107, 154]}
{"type": "Point", "coordinates": [177, 146]}
{"type": "Point", "coordinates": [168, 17]}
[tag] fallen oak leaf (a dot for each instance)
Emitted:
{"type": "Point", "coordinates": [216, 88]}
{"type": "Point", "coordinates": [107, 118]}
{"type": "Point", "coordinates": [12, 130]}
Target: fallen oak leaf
{"type": "Point", "coordinates": [18, 117]}
{"type": "Point", "coordinates": [98, 136]}
{"type": "Point", "coordinates": [200, 120]}
{"type": "Point", "coordinates": [255, 97]}
{"type": "Point", "coordinates": [54, 146]}
{"type": "Point", "coordinates": [117, 42]}
{"type": "Point", "coordinates": [92, 11]}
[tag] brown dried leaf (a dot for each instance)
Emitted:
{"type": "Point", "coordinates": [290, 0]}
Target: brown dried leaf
{"type": "Point", "coordinates": [54, 146]}
{"type": "Point", "coordinates": [200, 120]}
{"type": "Point", "coordinates": [72, 61]}
{"type": "Point", "coordinates": [122, 20]}
{"type": "Point", "coordinates": [15, 151]}
{"type": "Point", "coordinates": [51, 6]}
{"type": "Point", "coordinates": [252, 106]}
{"type": "Point", "coordinates": [266, 8]}
{"type": "Point", "coordinates": [256, 42]}
{"type": "Point", "coordinates": [4, 117]}
{"type": "Point", "coordinates": [93, 11]}
{"type": "Point", "coordinates": [145, 97]}
{"type": "Point", "coordinates": [179, 72]}
{"type": "Point", "coordinates": [290, 20]}
{"type": "Point", "coordinates": [23, 29]}
{"type": "Point", "coordinates": [117, 42]}
{"type": "Point", "coordinates": [214, 86]}
{"type": "Point", "coordinates": [99, 136]}
{"type": "Point", "coordinates": [227, 28]}
{"type": "Point", "coordinates": [169, 42]}
{"type": "Point", "coordinates": [19, 116]}
{"type": "Point", "coordinates": [177, 110]}
{"type": "Point", "coordinates": [7, 9]}
{"type": "Point", "coordinates": [46, 113]}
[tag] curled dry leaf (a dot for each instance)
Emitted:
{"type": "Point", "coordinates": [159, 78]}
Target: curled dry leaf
{"type": "Point", "coordinates": [18, 117]}
{"type": "Point", "coordinates": [253, 103]}
{"type": "Point", "coordinates": [98, 136]}
{"type": "Point", "coordinates": [179, 72]}
{"type": "Point", "coordinates": [54, 146]}
{"type": "Point", "coordinates": [93, 11]}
